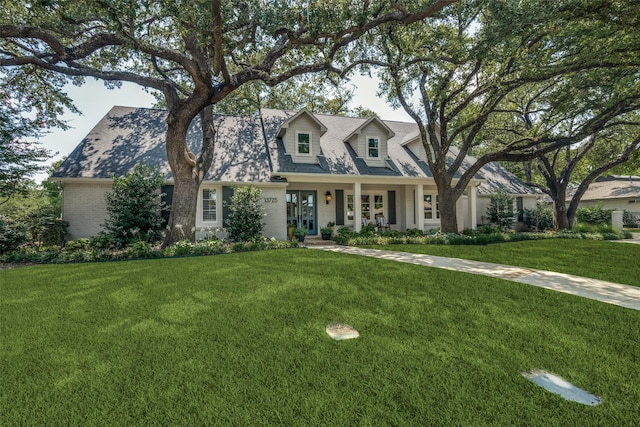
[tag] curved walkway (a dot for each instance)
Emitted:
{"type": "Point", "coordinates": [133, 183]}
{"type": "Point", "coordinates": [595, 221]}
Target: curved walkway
{"type": "Point", "coordinates": [600, 290]}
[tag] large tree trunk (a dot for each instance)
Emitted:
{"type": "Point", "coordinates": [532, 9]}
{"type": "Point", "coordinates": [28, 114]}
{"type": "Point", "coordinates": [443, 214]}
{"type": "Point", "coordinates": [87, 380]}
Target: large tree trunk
{"type": "Point", "coordinates": [448, 212]}
{"type": "Point", "coordinates": [185, 168]}
{"type": "Point", "coordinates": [560, 219]}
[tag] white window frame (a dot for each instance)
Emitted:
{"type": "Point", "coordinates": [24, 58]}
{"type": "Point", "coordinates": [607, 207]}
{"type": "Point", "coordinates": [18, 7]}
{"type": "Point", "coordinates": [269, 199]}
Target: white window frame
{"type": "Point", "coordinates": [435, 207]}
{"type": "Point", "coordinates": [377, 138]}
{"type": "Point", "coordinates": [373, 205]}
{"type": "Point", "coordinates": [201, 205]}
{"type": "Point", "coordinates": [350, 214]}
{"type": "Point", "coordinates": [298, 133]}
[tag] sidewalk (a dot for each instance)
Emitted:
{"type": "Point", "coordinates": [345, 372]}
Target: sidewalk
{"type": "Point", "coordinates": [600, 290]}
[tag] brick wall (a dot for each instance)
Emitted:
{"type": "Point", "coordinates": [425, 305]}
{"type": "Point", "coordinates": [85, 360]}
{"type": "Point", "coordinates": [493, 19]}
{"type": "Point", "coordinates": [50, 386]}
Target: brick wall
{"type": "Point", "coordinates": [85, 208]}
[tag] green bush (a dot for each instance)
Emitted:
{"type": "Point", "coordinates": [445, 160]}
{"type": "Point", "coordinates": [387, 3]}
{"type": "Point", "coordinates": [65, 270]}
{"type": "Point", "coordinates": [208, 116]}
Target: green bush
{"type": "Point", "coordinates": [594, 215]}
{"type": "Point", "coordinates": [628, 220]}
{"type": "Point", "coordinates": [501, 210]}
{"type": "Point", "coordinates": [368, 230]}
{"type": "Point", "coordinates": [245, 214]}
{"type": "Point", "coordinates": [540, 218]}
{"type": "Point", "coordinates": [489, 229]}
{"type": "Point", "coordinates": [46, 228]}
{"type": "Point", "coordinates": [415, 232]}
{"type": "Point", "coordinates": [12, 234]}
{"type": "Point", "coordinates": [135, 207]}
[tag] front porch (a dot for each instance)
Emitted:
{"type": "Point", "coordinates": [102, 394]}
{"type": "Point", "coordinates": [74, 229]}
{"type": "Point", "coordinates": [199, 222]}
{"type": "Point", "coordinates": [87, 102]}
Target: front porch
{"type": "Point", "coordinates": [313, 205]}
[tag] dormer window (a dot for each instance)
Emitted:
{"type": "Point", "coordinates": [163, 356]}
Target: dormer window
{"type": "Point", "coordinates": [373, 148]}
{"type": "Point", "coordinates": [303, 143]}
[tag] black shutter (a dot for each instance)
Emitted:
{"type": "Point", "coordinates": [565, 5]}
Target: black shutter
{"type": "Point", "coordinates": [392, 207]}
{"type": "Point", "coordinates": [339, 207]}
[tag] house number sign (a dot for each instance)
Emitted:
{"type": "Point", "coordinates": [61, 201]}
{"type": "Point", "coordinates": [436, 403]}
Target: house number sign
{"type": "Point", "coordinates": [271, 200]}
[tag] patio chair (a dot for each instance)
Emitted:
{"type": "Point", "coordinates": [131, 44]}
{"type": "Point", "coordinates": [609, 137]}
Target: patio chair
{"type": "Point", "coordinates": [382, 224]}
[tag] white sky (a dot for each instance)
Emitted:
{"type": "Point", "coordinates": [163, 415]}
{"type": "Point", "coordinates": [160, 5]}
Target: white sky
{"type": "Point", "coordinates": [94, 101]}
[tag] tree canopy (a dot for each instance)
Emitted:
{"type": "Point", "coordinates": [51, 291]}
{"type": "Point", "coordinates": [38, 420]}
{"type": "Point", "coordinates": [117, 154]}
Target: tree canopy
{"type": "Point", "coordinates": [194, 53]}
{"type": "Point", "coordinates": [457, 76]}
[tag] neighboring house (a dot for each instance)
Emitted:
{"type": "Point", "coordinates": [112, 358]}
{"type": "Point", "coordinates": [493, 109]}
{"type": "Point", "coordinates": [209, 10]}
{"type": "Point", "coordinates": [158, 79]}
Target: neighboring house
{"type": "Point", "coordinates": [311, 168]}
{"type": "Point", "coordinates": [498, 178]}
{"type": "Point", "coordinates": [615, 192]}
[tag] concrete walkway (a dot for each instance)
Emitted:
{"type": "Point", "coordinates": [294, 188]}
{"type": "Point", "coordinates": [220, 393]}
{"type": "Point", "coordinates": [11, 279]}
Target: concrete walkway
{"type": "Point", "coordinates": [600, 290]}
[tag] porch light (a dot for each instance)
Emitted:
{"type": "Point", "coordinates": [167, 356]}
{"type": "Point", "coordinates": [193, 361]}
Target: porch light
{"type": "Point", "coordinates": [328, 197]}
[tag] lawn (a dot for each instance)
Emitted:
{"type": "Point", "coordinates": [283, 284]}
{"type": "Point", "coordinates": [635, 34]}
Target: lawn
{"type": "Point", "coordinates": [240, 339]}
{"type": "Point", "coordinates": [604, 260]}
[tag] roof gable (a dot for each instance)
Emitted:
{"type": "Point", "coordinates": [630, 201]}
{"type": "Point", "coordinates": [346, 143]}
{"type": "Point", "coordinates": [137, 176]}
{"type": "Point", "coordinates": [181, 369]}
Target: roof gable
{"type": "Point", "coordinates": [304, 112]}
{"type": "Point", "coordinates": [373, 119]}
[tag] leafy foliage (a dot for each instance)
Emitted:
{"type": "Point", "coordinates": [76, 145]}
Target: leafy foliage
{"type": "Point", "coordinates": [245, 214]}
{"type": "Point", "coordinates": [12, 234]}
{"type": "Point", "coordinates": [135, 206]}
{"type": "Point", "coordinates": [501, 210]}
{"type": "Point", "coordinates": [19, 157]}
{"type": "Point", "coordinates": [594, 215]}
{"type": "Point", "coordinates": [539, 218]}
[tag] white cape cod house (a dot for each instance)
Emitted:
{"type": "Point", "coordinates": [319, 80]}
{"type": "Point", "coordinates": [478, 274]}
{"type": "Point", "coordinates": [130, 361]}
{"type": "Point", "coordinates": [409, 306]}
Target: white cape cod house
{"type": "Point", "coordinates": [311, 168]}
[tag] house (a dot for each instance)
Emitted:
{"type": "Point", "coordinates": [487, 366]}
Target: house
{"type": "Point", "coordinates": [311, 168]}
{"type": "Point", "coordinates": [614, 192]}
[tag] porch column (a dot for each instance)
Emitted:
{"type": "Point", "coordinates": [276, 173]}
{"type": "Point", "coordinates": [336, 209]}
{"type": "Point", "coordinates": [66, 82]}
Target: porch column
{"type": "Point", "coordinates": [420, 206]}
{"type": "Point", "coordinates": [472, 199]}
{"type": "Point", "coordinates": [357, 206]}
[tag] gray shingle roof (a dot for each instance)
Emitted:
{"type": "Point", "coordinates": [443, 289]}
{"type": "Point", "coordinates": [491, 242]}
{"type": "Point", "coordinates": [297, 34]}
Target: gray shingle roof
{"type": "Point", "coordinates": [613, 187]}
{"type": "Point", "coordinates": [129, 136]}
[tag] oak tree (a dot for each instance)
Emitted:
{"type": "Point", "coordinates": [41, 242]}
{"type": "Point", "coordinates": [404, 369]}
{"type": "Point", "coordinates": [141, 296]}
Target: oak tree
{"type": "Point", "coordinates": [195, 54]}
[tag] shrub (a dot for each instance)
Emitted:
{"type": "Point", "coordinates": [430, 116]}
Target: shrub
{"type": "Point", "coordinates": [540, 218]}
{"type": "Point", "coordinates": [488, 229]}
{"type": "Point", "coordinates": [594, 215]}
{"type": "Point", "coordinates": [501, 211]}
{"type": "Point", "coordinates": [415, 232]}
{"type": "Point", "coordinates": [12, 234]}
{"type": "Point", "coordinates": [245, 214]}
{"type": "Point", "coordinates": [47, 228]}
{"type": "Point", "coordinates": [368, 230]}
{"type": "Point", "coordinates": [628, 220]}
{"type": "Point", "coordinates": [135, 206]}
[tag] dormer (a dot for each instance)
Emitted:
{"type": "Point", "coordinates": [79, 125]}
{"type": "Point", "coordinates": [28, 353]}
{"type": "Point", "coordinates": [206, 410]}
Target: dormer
{"type": "Point", "coordinates": [370, 140]}
{"type": "Point", "coordinates": [301, 136]}
{"type": "Point", "coordinates": [413, 142]}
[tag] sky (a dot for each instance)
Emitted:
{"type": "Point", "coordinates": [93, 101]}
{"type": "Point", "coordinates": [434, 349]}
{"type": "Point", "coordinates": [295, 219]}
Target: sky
{"type": "Point", "coordinates": [94, 101]}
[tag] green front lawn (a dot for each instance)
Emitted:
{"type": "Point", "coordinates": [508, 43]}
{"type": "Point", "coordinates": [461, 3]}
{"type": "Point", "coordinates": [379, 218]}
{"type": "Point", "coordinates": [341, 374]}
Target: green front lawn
{"type": "Point", "coordinates": [239, 340]}
{"type": "Point", "coordinates": [604, 260]}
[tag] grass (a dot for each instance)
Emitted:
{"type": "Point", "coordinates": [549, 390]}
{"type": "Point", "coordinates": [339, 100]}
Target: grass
{"type": "Point", "coordinates": [604, 260]}
{"type": "Point", "coordinates": [239, 339]}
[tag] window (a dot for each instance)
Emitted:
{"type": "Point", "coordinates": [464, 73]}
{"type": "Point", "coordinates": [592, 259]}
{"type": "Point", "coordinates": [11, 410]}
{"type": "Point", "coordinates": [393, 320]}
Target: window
{"type": "Point", "coordinates": [373, 148]}
{"type": "Point", "coordinates": [303, 145]}
{"type": "Point", "coordinates": [431, 211]}
{"type": "Point", "coordinates": [365, 207]}
{"type": "Point", "coordinates": [350, 207]}
{"type": "Point", "coordinates": [209, 199]}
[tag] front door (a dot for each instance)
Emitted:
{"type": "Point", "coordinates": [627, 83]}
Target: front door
{"type": "Point", "coordinates": [302, 210]}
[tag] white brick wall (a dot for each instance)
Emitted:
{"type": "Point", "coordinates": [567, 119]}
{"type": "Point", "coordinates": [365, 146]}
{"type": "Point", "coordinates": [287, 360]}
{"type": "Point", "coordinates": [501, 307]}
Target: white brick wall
{"type": "Point", "coordinates": [85, 208]}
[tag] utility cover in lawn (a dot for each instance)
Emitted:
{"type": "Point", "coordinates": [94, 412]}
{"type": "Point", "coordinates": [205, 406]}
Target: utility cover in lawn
{"type": "Point", "coordinates": [558, 385]}
{"type": "Point", "coordinates": [341, 331]}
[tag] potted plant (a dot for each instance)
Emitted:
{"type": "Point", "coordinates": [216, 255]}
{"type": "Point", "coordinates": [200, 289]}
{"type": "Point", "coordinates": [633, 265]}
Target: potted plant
{"type": "Point", "coordinates": [290, 227]}
{"type": "Point", "coordinates": [326, 233]}
{"type": "Point", "coordinates": [300, 232]}
{"type": "Point", "coordinates": [330, 226]}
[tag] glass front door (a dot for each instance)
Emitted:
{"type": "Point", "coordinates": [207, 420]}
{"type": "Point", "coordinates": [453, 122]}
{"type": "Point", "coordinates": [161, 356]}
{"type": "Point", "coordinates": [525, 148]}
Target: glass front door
{"type": "Point", "coordinates": [301, 210]}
